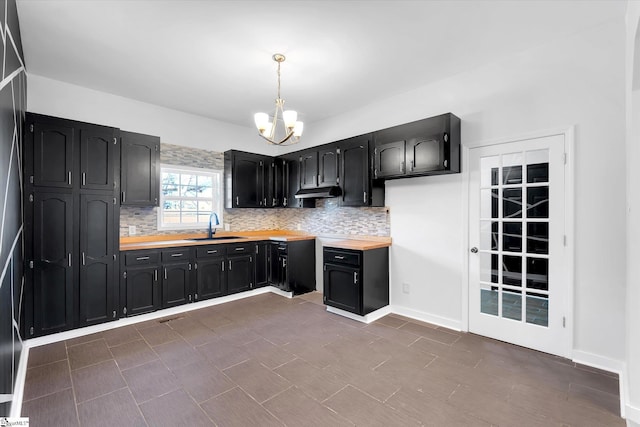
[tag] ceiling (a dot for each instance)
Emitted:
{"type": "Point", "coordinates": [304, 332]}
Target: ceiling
{"type": "Point", "coordinates": [213, 58]}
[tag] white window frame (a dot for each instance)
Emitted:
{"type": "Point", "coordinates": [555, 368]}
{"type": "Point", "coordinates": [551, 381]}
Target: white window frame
{"type": "Point", "coordinates": [217, 204]}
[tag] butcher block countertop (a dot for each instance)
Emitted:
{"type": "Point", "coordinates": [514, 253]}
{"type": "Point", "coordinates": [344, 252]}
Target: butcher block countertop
{"type": "Point", "coordinates": [360, 245]}
{"type": "Point", "coordinates": [173, 240]}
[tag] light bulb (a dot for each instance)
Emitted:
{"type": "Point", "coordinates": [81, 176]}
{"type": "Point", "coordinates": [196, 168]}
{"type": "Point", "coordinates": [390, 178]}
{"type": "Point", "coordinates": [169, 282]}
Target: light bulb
{"type": "Point", "coordinates": [261, 120]}
{"type": "Point", "coordinates": [297, 129]}
{"type": "Point", "coordinates": [289, 117]}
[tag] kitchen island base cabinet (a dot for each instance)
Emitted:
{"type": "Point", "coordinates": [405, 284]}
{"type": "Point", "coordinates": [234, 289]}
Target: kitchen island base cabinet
{"type": "Point", "coordinates": [356, 281]}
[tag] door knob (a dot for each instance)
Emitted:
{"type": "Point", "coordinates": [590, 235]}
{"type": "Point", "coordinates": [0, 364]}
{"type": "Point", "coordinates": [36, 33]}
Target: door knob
{"type": "Point", "coordinates": [474, 250]}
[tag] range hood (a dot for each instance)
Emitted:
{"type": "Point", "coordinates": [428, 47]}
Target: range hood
{"type": "Point", "coordinates": [318, 193]}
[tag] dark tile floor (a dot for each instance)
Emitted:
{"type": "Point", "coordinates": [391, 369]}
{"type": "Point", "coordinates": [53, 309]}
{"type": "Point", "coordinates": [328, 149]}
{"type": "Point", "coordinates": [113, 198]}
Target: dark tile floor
{"type": "Point", "coordinates": [268, 360]}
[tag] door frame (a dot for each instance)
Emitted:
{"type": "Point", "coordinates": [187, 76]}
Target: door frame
{"type": "Point", "coordinates": [569, 221]}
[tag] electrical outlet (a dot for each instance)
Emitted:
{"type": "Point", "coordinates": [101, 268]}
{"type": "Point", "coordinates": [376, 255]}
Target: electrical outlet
{"type": "Point", "coordinates": [227, 227]}
{"type": "Point", "coordinates": [132, 230]}
{"type": "Point", "coordinates": [406, 288]}
{"type": "Point", "coordinates": [299, 227]}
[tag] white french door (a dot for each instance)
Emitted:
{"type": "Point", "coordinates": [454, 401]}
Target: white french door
{"type": "Point", "coordinates": [518, 272]}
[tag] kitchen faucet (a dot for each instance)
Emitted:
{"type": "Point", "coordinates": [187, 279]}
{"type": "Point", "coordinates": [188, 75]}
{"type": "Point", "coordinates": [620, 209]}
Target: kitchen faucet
{"type": "Point", "coordinates": [212, 230]}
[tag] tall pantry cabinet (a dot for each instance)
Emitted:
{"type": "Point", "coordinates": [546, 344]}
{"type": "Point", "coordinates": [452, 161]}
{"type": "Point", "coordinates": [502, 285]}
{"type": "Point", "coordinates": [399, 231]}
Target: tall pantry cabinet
{"type": "Point", "coordinates": [72, 211]}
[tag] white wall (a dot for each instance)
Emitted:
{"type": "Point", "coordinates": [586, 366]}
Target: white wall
{"type": "Point", "coordinates": [632, 91]}
{"type": "Point", "coordinates": [577, 81]}
{"type": "Point", "coordinates": [56, 98]}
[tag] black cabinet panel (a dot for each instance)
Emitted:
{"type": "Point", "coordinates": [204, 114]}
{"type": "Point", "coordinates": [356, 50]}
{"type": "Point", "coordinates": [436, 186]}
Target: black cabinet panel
{"type": "Point", "coordinates": [176, 284]}
{"type": "Point", "coordinates": [389, 159]}
{"type": "Point", "coordinates": [142, 289]}
{"type": "Point", "coordinates": [52, 146]}
{"type": "Point", "coordinates": [262, 264]}
{"type": "Point", "coordinates": [292, 177]}
{"type": "Point", "coordinates": [97, 285]}
{"type": "Point", "coordinates": [98, 149]}
{"type": "Point", "coordinates": [211, 278]}
{"type": "Point", "coordinates": [341, 287]}
{"type": "Point", "coordinates": [140, 175]}
{"type": "Point", "coordinates": [52, 257]}
{"type": "Point", "coordinates": [292, 266]}
{"type": "Point", "coordinates": [425, 155]}
{"type": "Point", "coordinates": [240, 273]}
{"type": "Point", "coordinates": [308, 169]}
{"type": "Point", "coordinates": [278, 266]}
{"type": "Point", "coordinates": [247, 180]}
{"type": "Point", "coordinates": [328, 166]}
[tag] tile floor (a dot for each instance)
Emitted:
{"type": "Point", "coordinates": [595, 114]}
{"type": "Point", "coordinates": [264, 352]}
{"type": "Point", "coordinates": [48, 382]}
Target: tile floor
{"type": "Point", "coordinates": [269, 360]}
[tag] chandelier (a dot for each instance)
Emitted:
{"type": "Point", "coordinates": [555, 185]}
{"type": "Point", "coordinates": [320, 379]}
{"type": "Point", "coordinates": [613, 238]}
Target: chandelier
{"type": "Point", "coordinates": [283, 128]}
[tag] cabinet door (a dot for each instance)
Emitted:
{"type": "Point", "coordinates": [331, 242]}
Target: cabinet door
{"type": "Point", "coordinates": [328, 166]}
{"type": "Point", "coordinates": [309, 169]}
{"type": "Point", "coordinates": [53, 264]}
{"type": "Point", "coordinates": [176, 284]}
{"type": "Point", "coordinates": [355, 172]}
{"type": "Point", "coordinates": [389, 159]}
{"type": "Point", "coordinates": [342, 288]}
{"type": "Point", "coordinates": [262, 264]}
{"type": "Point", "coordinates": [53, 154]}
{"type": "Point", "coordinates": [278, 184]}
{"type": "Point", "coordinates": [425, 154]}
{"type": "Point", "coordinates": [143, 290]}
{"type": "Point", "coordinates": [98, 158]}
{"type": "Point", "coordinates": [239, 273]}
{"type": "Point", "coordinates": [248, 180]}
{"type": "Point", "coordinates": [140, 173]}
{"type": "Point", "coordinates": [210, 278]}
{"type": "Point", "coordinates": [97, 284]}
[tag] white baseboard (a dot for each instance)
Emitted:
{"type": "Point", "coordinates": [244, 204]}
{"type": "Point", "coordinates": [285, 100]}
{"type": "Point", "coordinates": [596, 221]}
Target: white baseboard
{"type": "Point", "coordinates": [632, 413]}
{"type": "Point", "coordinates": [18, 389]}
{"type": "Point", "coordinates": [610, 365]}
{"type": "Point", "coordinates": [426, 317]}
{"type": "Point", "coordinates": [368, 318]}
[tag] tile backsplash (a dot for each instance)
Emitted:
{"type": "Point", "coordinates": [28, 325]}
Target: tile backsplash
{"type": "Point", "coordinates": [326, 218]}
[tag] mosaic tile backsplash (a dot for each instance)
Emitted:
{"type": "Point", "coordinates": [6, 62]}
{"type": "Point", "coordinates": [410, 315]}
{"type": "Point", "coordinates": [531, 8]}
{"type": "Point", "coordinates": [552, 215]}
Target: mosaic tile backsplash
{"type": "Point", "coordinates": [326, 218]}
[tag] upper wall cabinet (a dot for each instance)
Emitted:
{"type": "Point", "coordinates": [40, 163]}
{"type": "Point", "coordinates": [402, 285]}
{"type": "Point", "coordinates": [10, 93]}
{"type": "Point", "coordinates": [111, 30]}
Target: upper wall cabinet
{"type": "Point", "coordinates": [319, 167]}
{"type": "Point", "coordinates": [140, 174]}
{"type": "Point", "coordinates": [358, 188]}
{"type": "Point", "coordinates": [246, 180]}
{"type": "Point", "coordinates": [424, 147]}
{"type": "Point", "coordinates": [68, 154]}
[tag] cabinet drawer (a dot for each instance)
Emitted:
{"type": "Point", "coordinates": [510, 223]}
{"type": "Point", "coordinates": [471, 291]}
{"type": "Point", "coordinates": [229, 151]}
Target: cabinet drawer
{"type": "Point", "coordinates": [178, 254]}
{"type": "Point", "coordinates": [240, 249]}
{"type": "Point", "coordinates": [337, 256]}
{"type": "Point", "coordinates": [141, 258]}
{"type": "Point", "coordinates": [210, 251]}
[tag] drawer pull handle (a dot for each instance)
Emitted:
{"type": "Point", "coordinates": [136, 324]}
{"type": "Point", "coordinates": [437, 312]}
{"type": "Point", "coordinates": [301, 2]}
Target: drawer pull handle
{"type": "Point", "coordinates": [239, 249]}
{"type": "Point", "coordinates": [338, 257]}
{"type": "Point", "coordinates": [282, 248]}
{"type": "Point", "coordinates": [176, 255]}
{"type": "Point", "coordinates": [142, 258]}
{"type": "Point", "coordinates": [212, 252]}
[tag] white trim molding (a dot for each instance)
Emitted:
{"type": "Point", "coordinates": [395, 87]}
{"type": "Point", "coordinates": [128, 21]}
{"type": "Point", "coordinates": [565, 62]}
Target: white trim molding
{"type": "Point", "coordinates": [422, 316]}
{"type": "Point", "coordinates": [609, 365]}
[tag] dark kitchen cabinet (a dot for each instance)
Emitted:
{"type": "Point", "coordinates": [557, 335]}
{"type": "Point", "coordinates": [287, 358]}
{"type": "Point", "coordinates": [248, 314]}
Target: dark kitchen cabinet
{"type": "Point", "coordinates": [292, 266]}
{"type": "Point", "coordinates": [50, 305]}
{"type": "Point", "coordinates": [425, 147]}
{"type": "Point", "coordinates": [211, 279]}
{"type": "Point", "coordinates": [140, 175]}
{"type": "Point", "coordinates": [292, 179]}
{"type": "Point", "coordinates": [356, 281]}
{"type": "Point", "coordinates": [247, 179]}
{"type": "Point", "coordinates": [140, 282]}
{"type": "Point", "coordinates": [97, 283]}
{"type": "Point", "coordinates": [358, 186]}
{"type": "Point", "coordinates": [319, 167]}
{"type": "Point", "coordinates": [71, 171]}
{"type": "Point", "coordinates": [278, 193]}
{"type": "Point", "coordinates": [176, 279]}
{"type": "Point", "coordinates": [240, 273]}
{"type": "Point", "coordinates": [49, 154]}
{"type": "Point", "coordinates": [262, 264]}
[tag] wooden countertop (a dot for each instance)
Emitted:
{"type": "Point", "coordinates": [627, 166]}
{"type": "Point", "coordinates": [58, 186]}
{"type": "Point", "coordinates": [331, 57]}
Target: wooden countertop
{"type": "Point", "coordinates": [359, 245]}
{"type": "Point", "coordinates": [173, 240]}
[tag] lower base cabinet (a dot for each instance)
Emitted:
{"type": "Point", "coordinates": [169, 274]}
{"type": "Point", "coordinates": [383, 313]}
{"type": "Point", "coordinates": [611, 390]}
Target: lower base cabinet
{"type": "Point", "coordinates": [142, 290]}
{"type": "Point", "coordinates": [356, 281]}
{"type": "Point", "coordinates": [211, 278]}
{"type": "Point", "coordinates": [292, 266]}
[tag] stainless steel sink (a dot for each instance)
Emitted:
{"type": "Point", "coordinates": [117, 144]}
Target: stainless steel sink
{"type": "Point", "coordinates": [217, 238]}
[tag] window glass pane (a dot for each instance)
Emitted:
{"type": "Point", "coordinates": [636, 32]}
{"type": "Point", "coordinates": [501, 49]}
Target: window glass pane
{"type": "Point", "coordinates": [512, 175]}
{"type": "Point", "coordinates": [171, 205]}
{"type": "Point", "coordinates": [187, 179]}
{"type": "Point", "coordinates": [537, 309]}
{"type": "Point", "coordinates": [489, 171]}
{"type": "Point", "coordinates": [512, 305]}
{"type": "Point", "coordinates": [538, 273]}
{"type": "Point", "coordinates": [170, 178]}
{"type": "Point", "coordinates": [488, 299]}
{"type": "Point", "coordinates": [189, 205]}
{"type": "Point", "coordinates": [538, 237]}
{"type": "Point", "coordinates": [512, 270]}
{"type": "Point", "coordinates": [204, 181]}
{"type": "Point", "coordinates": [170, 190]}
{"type": "Point", "coordinates": [189, 217]}
{"type": "Point", "coordinates": [204, 219]}
{"type": "Point", "coordinates": [488, 267]}
{"type": "Point", "coordinates": [171, 218]}
{"type": "Point", "coordinates": [489, 235]}
{"type": "Point", "coordinates": [205, 192]}
{"type": "Point", "coordinates": [538, 202]}
{"type": "Point", "coordinates": [205, 206]}
{"type": "Point", "coordinates": [538, 173]}
{"type": "Point", "coordinates": [512, 236]}
{"type": "Point", "coordinates": [512, 202]}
